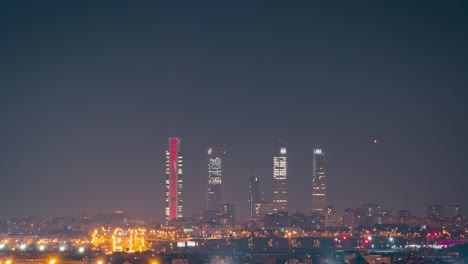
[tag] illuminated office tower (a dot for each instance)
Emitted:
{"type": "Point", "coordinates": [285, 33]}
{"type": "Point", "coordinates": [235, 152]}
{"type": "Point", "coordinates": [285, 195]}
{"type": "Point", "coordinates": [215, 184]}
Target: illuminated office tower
{"type": "Point", "coordinates": [319, 186]}
{"type": "Point", "coordinates": [173, 180]}
{"type": "Point", "coordinates": [214, 195]}
{"type": "Point", "coordinates": [280, 178]}
{"type": "Point", "coordinates": [254, 194]}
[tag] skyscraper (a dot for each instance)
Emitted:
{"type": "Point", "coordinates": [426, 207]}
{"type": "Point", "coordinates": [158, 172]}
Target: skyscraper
{"type": "Point", "coordinates": [254, 194]}
{"type": "Point", "coordinates": [319, 182]}
{"type": "Point", "coordinates": [173, 180]}
{"type": "Point", "coordinates": [280, 178]}
{"type": "Point", "coordinates": [214, 195]}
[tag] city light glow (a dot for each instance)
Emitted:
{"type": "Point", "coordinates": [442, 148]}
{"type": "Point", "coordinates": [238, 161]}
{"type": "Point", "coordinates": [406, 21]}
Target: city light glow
{"type": "Point", "coordinates": [370, 102]}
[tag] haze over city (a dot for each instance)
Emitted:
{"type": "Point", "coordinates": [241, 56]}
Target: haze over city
{"type": "Point", "coordinates": [90, 94]}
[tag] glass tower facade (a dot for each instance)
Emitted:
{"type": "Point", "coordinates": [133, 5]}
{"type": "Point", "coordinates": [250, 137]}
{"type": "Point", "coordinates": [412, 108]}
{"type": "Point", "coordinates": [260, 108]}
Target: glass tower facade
{"type": "Point", "coordinates": [319, 185]}
{"type": "Point", "coordinates": [254, 194]}
{"type": "Point", "coordinates": [214, 199]}
{"type": "Point", "coordinates": [280, 178]}
{"type": "Point", "coordinates": [174, 181]}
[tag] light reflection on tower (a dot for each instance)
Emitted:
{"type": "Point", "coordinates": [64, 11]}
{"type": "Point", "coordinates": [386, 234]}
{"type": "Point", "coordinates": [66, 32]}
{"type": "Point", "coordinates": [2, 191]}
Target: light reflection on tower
{"type": "Point", "coordinates": [254, 194]}
{"type": "Point", "coordinates": [280, 178]}
{"type": "Point", "coordinates": [319, 181]}
{"type": "Point", "coordinates": [214, 199]}
{"type": "Point", "coordinates": [174, 180]}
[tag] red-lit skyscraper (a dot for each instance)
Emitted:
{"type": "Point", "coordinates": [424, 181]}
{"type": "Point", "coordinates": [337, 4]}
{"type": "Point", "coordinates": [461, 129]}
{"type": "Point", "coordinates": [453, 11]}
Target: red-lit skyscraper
{"type": "Point", "coordinates": [173, 180]}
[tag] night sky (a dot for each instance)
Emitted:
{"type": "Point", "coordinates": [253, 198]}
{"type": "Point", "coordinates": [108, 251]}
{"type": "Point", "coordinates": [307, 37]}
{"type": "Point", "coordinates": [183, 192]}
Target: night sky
{"type": "Point", "coordinates": [91, 91]}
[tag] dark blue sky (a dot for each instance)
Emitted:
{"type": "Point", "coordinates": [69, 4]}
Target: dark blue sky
{"type": "Point", "coordinates": [91, 92]}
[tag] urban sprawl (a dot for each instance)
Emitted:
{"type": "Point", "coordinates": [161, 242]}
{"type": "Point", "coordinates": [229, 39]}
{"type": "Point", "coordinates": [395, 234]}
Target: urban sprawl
{"type": "Point", "coordinates": [269, 234]}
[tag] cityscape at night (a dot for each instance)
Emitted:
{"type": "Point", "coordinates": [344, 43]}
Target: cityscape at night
{"type": "Point", "coordinates": [233, 132]}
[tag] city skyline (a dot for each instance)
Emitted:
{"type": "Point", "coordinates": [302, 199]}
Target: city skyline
{"type": "Point", "coordinates": [90, 94]}
{"type": "Point", "coordinates": [280, 149]}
